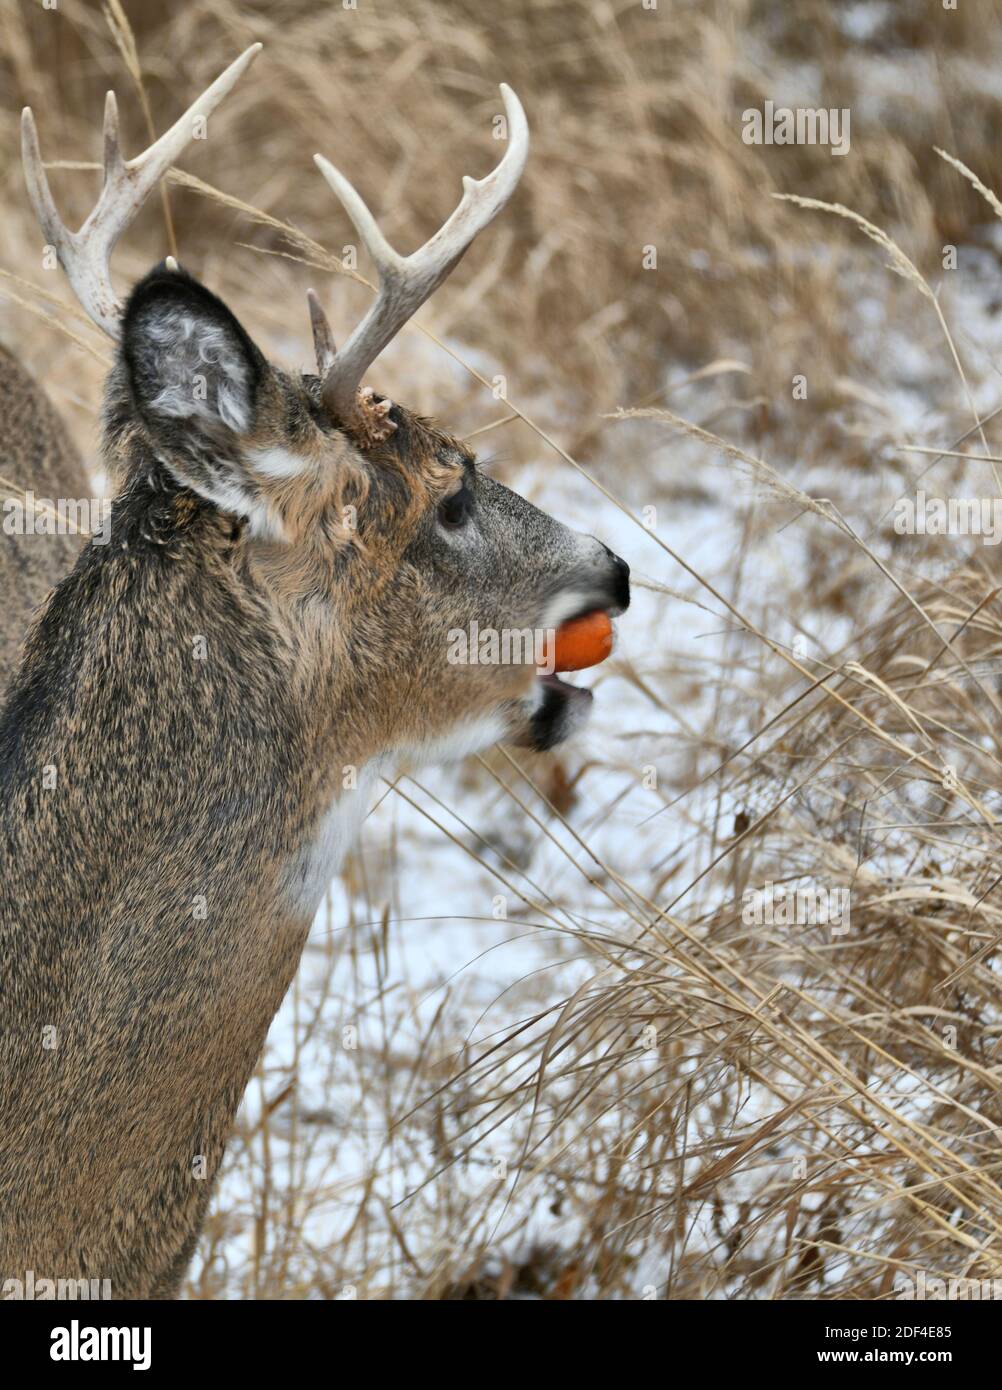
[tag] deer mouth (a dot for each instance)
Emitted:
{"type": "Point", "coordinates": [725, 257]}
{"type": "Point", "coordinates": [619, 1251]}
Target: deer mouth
{"type": "Point", "coordinates": [561, 710]}
{"type": "Point", "coordinates": [565, 688]}
{"type": "Point", "coordinates": [582, 641]}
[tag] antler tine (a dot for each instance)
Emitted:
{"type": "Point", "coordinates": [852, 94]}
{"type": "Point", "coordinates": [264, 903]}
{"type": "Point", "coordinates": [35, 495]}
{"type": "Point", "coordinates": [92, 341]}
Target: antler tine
{"type": "Point", "coordinates": [85, 255]}
{"type": "Point", "coordinates": [38, 184]}
{"type": "Point", "coordinates": [323, 338]}
{"type": "Point", "coordinates": [406, 282]}
{"type": "Point", "coordinates": [112, 156]}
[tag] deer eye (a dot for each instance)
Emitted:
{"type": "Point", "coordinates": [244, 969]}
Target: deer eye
{"type": "Point", "coordinates": [456, 510]}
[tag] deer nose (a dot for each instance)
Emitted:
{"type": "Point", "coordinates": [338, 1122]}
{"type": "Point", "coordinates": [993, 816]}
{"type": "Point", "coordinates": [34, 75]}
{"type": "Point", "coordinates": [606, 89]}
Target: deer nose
{"type": "Point", "coordinates": [621, 579]}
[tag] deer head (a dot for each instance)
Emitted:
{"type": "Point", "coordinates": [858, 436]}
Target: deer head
{"type": "Point", "coordinates": [370, 531]}
{"type": "Point", "coordinates": [268, 631]}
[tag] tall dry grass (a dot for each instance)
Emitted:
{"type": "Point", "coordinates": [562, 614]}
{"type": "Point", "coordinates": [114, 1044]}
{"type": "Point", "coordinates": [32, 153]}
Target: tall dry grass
{"type": "Point", "coordinates": [686, 1102]}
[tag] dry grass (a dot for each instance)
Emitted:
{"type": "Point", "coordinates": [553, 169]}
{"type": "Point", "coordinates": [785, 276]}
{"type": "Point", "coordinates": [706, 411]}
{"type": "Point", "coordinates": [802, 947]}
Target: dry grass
{"type": "Point", "coordinates": [683, 1102]}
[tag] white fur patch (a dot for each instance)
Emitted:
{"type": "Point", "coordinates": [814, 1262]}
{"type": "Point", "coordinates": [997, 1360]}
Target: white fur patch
{"type": "Point", "coordinates": [262, 522]}
{"type": "Point", "coordinates": [312, 869]}
{"type": "Point", "coordinates": [473, 736]}
{"type": "Point", "coordinates": [276, 462]}
{"type": "Point", "coordinates": [565, 605]}
{"type": "Point", "coordinates": [333, 836]}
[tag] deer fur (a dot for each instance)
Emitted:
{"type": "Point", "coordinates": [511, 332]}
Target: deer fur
{"type": "Point", "coordinates": [37, 454]}
{"type": "Point", "coordinates": [177, 745]}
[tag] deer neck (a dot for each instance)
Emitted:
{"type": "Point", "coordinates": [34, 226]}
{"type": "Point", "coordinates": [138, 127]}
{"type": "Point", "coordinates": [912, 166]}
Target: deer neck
{"type": "Point", "coordinates": [171, 816]}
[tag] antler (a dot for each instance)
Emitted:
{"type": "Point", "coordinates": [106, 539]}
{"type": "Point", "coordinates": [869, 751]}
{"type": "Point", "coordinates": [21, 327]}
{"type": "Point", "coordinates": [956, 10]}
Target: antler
{"type": "Point", "coordinates": [405, 282]}
{"type": "Point", "coordinates": [85, 255]}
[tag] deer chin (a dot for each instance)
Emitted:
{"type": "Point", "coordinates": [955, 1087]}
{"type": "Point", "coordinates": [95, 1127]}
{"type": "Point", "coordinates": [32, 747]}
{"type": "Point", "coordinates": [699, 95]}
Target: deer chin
{"type": "Point", "coordinates": [550, 714]}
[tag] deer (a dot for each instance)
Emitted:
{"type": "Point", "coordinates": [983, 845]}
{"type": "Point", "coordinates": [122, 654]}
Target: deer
{"type": "Point", "coordinates": [288, 552]}
{"type": "Point", "coordinates": [37, 450]}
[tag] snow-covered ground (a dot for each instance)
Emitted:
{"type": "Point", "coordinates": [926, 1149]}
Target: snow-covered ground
{"type": "Point", "coordinates": [455, 920]}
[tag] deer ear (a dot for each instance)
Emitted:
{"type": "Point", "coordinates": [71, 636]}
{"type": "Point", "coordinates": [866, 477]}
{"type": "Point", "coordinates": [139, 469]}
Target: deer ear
{"type": "Point", "coordinates": [187, 356]}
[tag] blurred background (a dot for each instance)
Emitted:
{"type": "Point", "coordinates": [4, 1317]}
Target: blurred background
{"type": "Point", "coordinates": [535, 1048]}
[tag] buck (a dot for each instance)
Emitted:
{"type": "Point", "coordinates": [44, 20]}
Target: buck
{"type": "Point", "coordinates": [288, 554]}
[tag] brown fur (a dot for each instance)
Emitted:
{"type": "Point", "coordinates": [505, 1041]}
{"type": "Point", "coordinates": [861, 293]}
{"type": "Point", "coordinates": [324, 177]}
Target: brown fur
{"type": "Point", "coordinates": [37, 454]}
{"type": "Point", "coordinates": [142, 783]}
